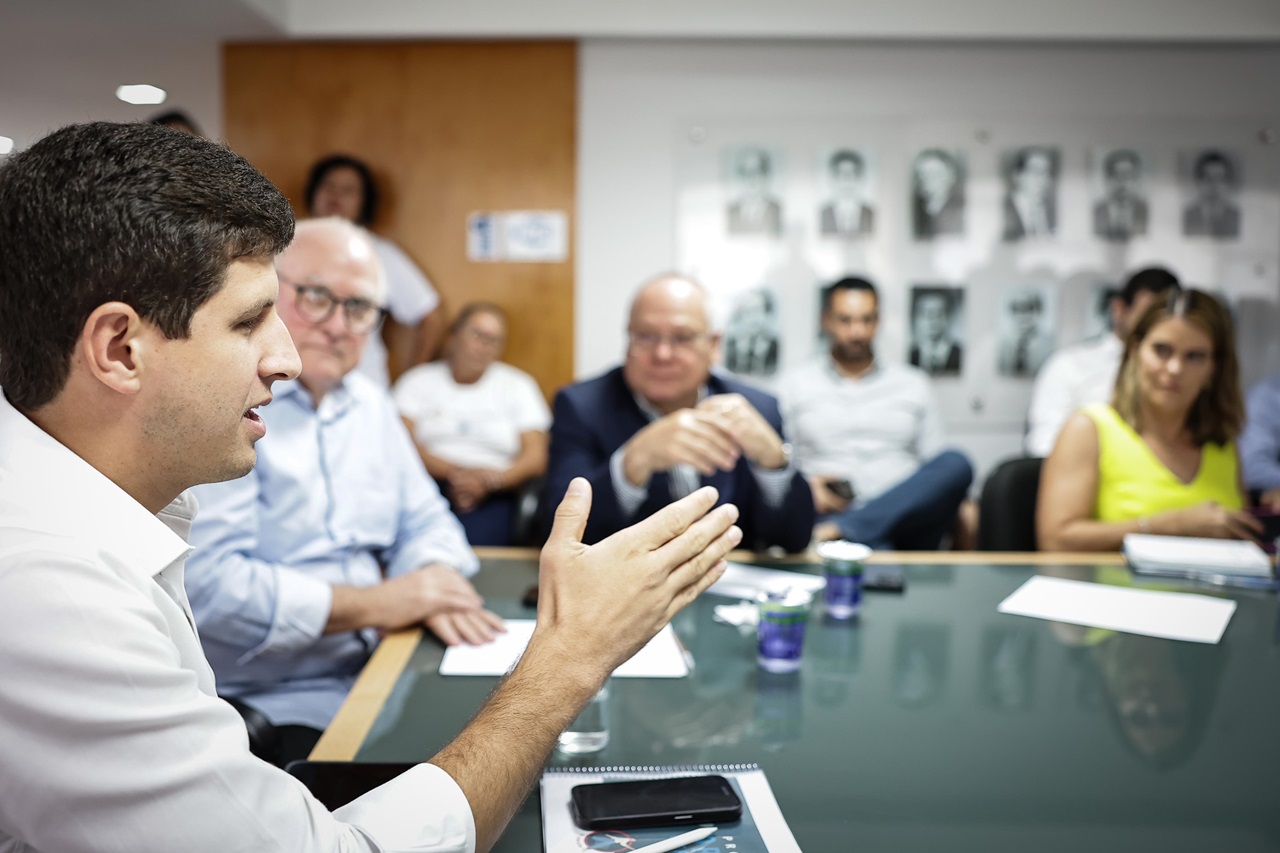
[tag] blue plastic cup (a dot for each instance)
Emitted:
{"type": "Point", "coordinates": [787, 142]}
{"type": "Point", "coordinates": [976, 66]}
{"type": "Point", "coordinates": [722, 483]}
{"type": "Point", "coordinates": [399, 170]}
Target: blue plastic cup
{"type": "Point", "coordinates": [842, 565]}
{"type": "Point", "coordinates": [780, 631]}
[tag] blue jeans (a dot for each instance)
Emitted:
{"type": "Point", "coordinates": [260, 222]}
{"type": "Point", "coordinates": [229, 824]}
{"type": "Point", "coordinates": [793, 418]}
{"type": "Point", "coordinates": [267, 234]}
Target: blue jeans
{"type": "Point", "coordinates": [490, 522]}
{"type": "Point", "coordinates": [915, 514]}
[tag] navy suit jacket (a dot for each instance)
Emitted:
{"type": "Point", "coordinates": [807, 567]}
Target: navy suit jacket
{"type": "Point", "coordinates": [595, 417]}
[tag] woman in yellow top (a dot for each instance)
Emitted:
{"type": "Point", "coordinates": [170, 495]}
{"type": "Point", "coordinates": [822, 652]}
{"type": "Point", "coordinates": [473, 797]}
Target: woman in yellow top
{"type": "Point", "coordinates": [1162, 457]}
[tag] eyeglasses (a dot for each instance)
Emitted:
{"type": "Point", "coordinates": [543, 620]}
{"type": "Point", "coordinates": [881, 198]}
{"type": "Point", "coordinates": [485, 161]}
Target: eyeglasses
{"type": "Point", "coordinates": [316, 303]}
{"type": "Point", "coordinates": [484, 337]}
{"type": "Point", "coordinates": [676, 340]}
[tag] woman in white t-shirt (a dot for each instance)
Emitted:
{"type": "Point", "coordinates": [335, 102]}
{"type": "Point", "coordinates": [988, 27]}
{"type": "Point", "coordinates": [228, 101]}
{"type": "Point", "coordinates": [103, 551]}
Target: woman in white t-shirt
{"type": "Point", "coordinates": [340, 185]}
{"type": "Point", "coordinates": [479, 425]}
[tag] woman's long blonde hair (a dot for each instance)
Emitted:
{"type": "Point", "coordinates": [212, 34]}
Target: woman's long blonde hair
{"type": "Point", "coordinates": [1217, 415]}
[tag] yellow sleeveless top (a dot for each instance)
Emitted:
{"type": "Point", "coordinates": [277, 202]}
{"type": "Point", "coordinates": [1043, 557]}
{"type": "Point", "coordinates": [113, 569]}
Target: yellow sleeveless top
{"type": "Point", "coordinates": [1133, 483]}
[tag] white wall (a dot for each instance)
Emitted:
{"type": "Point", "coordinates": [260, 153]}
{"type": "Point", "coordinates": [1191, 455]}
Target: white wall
{"type": "Point", "coordinates": [1107, 20]}
{"type": "Point", "coordinates": [639, 100]}
{"type": "Point", "coordinates": [61, 61]}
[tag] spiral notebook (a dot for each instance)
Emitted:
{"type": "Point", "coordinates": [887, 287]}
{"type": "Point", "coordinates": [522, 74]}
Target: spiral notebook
{"type": "Point", "coordinates": [762, 828]}
{"type": "Point", "coordinates": [1224, 562]}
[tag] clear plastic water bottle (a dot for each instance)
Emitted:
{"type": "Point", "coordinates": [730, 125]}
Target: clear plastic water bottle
{"type": "Point", "coordinates": [589, 732]}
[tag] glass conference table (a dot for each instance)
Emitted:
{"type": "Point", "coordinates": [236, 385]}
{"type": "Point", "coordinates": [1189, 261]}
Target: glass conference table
{"type": "Point", "coordinates": [931, 723]}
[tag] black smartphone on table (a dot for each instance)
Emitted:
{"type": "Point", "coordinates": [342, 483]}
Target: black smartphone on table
{"type": "Point", "coordinates": [679, 801]}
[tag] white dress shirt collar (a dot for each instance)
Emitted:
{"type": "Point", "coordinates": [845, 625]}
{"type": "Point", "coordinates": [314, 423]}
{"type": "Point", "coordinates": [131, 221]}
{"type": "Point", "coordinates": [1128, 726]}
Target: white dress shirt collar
{"type": "Point", "coordinates": [65, 496]}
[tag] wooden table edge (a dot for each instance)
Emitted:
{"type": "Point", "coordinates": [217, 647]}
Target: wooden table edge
{"type": "Point", "coordinates": [346, 734]}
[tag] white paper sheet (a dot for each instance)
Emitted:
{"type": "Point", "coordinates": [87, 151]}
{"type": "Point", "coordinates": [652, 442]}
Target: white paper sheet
{"type": "Point", "coordinates": [662, 657]}
{"type": "Point", "coordinates": [739, 581]}
{"type": "Point", "coordinates": [1152, 613]}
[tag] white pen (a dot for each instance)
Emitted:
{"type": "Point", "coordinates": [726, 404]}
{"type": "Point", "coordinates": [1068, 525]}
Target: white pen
{"type": "Point", "coordinates": [678, 841]}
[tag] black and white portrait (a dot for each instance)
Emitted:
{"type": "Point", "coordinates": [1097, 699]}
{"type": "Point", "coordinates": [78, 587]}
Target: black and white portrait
{"type": "Point", "coordinates": [1031, 193]}
{"type": "Point", "coordinates": [937, 317]}
{"type": "Point", "coordinates": [1120, 211]}
{"type": "Point", "coordinates": [755, 207]}
{"type": "Point", "coordinates": [1212, 179]}
{"type": "Point", "coordinates": [1098, 321]}
{"type": "Point", "coordinates": [751, 337]}
{"type": "Point", "coordinates": [849, 210]}
{"type": "Point", "coordinates": [1026, 331]}
{"type": "Point", "coordinates": [937, 193]}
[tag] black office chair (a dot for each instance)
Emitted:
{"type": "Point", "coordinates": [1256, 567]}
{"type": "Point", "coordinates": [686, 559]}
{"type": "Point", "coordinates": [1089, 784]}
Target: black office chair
{"type": "Point", "coordinates": [262, 735]}
{"type": "Point", "coordinates": [526, 523]}
{"type": "Point", "coordinates": [1007, 512]}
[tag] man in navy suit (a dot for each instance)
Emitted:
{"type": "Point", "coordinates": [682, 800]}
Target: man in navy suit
{"type": "Point", "coordinates": [663, 424]}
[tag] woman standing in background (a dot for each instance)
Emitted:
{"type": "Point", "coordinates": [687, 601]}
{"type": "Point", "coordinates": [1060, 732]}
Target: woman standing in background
{"type": "Point", "coordinates": [341, 185]}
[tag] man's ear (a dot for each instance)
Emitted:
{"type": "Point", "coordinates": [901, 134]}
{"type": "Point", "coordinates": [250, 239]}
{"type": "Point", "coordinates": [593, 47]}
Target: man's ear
{"type": "Point", "coordinates": [111, 345]}
{"type": "Point", "coordinates": [717, 351]}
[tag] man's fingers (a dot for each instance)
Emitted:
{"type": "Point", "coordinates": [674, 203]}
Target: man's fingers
{"type": "Point", "coordinates": [669, 522]}
{"type": "Point", "coordinates": [442, 626]}
{"type": "Point", "coordinates": [474, 630]}
{"type": "Point", "coordinates": [571, 516]}
{"type": "Point", "coordinates": [455, 600]}
{"type": "Point", "coordinates": [698, 537]}
{"type": "Point", "coordinates": [703, 443]}
{"type": "Point", "coordinates": [493, 620]}
{"type": "Point", "coordinates": [689, 572]}
{"type": "Point", "coordinates": [706, 457]}
{"type": "Point", "coordinates": [700, 584]}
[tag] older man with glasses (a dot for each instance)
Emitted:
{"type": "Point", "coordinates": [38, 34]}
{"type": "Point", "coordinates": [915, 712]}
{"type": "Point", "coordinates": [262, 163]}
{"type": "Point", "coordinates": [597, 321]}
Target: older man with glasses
{"type": "Point", "coordinates": [338, 534]}
{"type": "Point", "coordinates": [663, 424]}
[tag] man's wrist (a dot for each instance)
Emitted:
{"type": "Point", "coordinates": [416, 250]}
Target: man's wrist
{"type": "Point", "coordinates": [780, 457]}
{"type": "Point", "coordinates": [634, 467]}
{"type": "Point", "coordinates": [550, 651]}
{"type": "Point", "coordinates": [353, 608]}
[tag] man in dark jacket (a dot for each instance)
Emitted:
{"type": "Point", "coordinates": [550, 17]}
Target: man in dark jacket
{"type": "Point", "coordinates": [663, 424]}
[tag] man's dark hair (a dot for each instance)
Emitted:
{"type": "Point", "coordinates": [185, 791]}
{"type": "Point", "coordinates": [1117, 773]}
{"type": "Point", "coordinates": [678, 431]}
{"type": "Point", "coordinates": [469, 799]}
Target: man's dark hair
{"type": "Point", "coordinates": [136, 213]}
{"type": "Point", "coordinates": [1151, 279]}
{"type": "Point", "coordinates": [1115, 157]}
{"type": "Point", "coordinates": [1022, 155]}
{"type": "Point", "coordinates": [178, 120]}
{"type": "Point", "coordinates": [846, 155]}
{"type": "Point", "coordinates": [369, 188]}
{"type": "Point", "coordinates": [846, 284]}
{"type": "Point", "coordinates": [1207, 159]}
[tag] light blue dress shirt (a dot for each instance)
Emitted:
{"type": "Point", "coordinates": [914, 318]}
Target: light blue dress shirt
{"type": "Point", "coordinates": [339, 496]}
{"type": "Point", "coordinates": [1260, 443]}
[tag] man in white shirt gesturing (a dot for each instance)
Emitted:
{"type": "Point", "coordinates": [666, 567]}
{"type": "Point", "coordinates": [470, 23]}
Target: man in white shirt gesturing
{"type": "Point", "coordinates": [138, 335]}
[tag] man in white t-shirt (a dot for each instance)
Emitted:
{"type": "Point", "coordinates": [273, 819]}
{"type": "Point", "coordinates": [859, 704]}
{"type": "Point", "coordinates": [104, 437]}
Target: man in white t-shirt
{"type": "Point", "coordinates": [1086, 373]}
{"type": "Point", "coordinates": [114, 738]}
{"type": "Point", "coordinates": [341, 185]}
{"type": "Point", "coordinates": [480, 425]}
{"type": "Point", "coordinates": [868, 435]}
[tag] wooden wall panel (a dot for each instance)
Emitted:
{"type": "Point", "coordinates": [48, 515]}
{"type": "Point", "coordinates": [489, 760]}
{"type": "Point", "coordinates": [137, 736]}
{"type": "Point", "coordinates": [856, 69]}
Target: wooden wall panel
{"type": "Point", "coordinates": [449, 128]}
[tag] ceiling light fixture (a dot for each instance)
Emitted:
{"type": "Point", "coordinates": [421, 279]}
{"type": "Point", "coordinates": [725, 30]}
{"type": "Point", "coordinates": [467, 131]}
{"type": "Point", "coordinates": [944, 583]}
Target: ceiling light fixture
{"type": "Point", "coordinates": [6, 145]}
{"type": "Point", "coordinates": [141, 93]}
